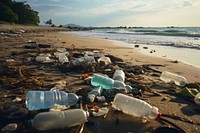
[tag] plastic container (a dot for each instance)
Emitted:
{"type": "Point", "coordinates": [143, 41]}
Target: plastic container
{"type": "Point", "coordinates": [63, 58]}
{"type": "Point", "coordinates": [83, 60]}
{"type": "Point", "coordinates": [59, 120]}
{"type": "Point", "coordinates": [106, 60]}
{"type": "Point", "coordinates": [42, 58]}
{"type": "Point", "coordinates": [97, 91]}
{"type": "Point", "coordinates": [36, 100]}
{"type": "Point", "coordinates": [173, 78]}
{"type": "Point", "coordinates": [197, 99]}
{"type": "Point", "coordinates": [108, 83]}
{"type": "Point", "coordinates": [119, 75]}
{"type": "Point", "coordinates": [135, 107]}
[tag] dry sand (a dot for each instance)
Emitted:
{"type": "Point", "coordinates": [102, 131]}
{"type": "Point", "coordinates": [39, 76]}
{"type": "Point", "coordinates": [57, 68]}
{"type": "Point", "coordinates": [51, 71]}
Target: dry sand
{"type": "Point", "coordinates": [166, 103]}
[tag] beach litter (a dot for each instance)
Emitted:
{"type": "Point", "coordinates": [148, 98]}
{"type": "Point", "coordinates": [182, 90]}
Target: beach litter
{"type": "Point", "coordinates": [51, 91]}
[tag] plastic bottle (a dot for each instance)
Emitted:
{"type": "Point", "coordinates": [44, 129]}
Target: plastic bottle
{"type": "Point", "coordinates": [174, 78]}
{"type": "Point", "coordinates": [36, 100]}
{"type": "Point", "coordinates": [108, 83]}
{"type": "Point", "coordinates": [95, 92]}
{"type": "Point", "coordinates": [119, 75]}
{"type": "Point", "coordinates": [42, 58]}
{"type": "Point", "coordinates": [59, 119]}
{"type": "Point", "coordinates": [82, 60]}
{"type": "Point", "coordinates": [135, 107]}
{"type": "Point", "coordinates": [63, 58]}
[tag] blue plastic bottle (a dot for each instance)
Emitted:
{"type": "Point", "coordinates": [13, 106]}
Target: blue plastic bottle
{"type": "Point", "coordinates": [108, 83]}
{"type": "Point", "coordinates": [36, 100]}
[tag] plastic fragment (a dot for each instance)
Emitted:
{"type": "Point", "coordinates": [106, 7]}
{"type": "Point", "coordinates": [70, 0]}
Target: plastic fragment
{"type": "Point", "coordinates": [17, 99]}
{"type": "Point", "coordinates": [9, 128]}
{"type": "Point", "coordinates": [57, 107]}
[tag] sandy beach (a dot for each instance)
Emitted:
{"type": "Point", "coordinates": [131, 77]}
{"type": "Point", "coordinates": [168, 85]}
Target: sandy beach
{"type": "Point", "coordinates": [131, 55]}
{"type": "Point", "coordinates": [168, 104]}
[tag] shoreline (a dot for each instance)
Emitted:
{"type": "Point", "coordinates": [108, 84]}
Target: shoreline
{"type": "Point", "coordinates": [133, 56]}
{"type": "Point", "coordinates": [162, 52]}
{"type": "Point", "coordinates": [181, 53]}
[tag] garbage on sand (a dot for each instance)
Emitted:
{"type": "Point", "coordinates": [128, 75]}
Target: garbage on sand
{"type": "Point", "coordinates": [78, 72]}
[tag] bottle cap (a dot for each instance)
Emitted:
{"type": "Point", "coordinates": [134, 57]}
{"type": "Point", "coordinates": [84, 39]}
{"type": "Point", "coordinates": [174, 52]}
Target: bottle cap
{"type": "Point", "coordinates": [159, 115]}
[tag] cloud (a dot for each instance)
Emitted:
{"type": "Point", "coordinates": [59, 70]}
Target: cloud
{"type": "Point", "coordinates": [118, 12]}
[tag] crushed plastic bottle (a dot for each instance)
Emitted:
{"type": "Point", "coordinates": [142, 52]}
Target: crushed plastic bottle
{"type": "Point", "coordinates": [59, 119]}
{"type": "Point", "coordinates": [173, 78]}
{"type": "Point", "coordinates": [95, 92]}
{"type": "Point", "coordinates": [36, 100]}
{"type": "Point", "coordinates": [119, 75]}
{"type": "Point", "coordinates": [83, 60]}
{"type": "Point", "coordinates": [135, 107]}
{"type": "Point", "coordinates": [108, 83]}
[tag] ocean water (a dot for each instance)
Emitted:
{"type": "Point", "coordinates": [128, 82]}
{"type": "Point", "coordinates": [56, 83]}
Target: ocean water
{"type": "Point", "coordinates": [182, 43]}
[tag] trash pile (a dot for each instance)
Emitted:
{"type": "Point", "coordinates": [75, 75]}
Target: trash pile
{"type": "Point", "coordinates": [44, 88]}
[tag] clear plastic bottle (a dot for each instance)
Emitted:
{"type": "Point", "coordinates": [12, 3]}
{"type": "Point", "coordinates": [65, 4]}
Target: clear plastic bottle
{"type": "Point", "coordinates": [95, 92]}
{"type": "Point", "coordinates": [36, 100]}
{"type": "Point", "coordinates": [59, 119]}
{"type": "Point", "coordinates": [108, 83]}
{"type": "Point", "coordinates": [119, 75]}
{"type": "Point", "coordinates": [135, 107]}
{"type": "Point", "coordinates": [82, 60]}
{"type": "Point", "coordinates": [174, 78]}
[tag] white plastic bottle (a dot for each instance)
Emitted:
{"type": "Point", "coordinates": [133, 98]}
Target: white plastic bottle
{"type": "Point", "coordinates": [95, 92]}
{"type": "Point", "coordinates": [59, 119]}
{"type": "Point", "coordinates": [135, 107]}
{"type": "Point", "coordinates": [119, 75]}
{"type": "Point", "coordinates": [174, 78]}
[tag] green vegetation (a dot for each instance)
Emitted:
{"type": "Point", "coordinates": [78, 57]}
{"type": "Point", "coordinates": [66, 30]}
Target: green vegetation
{"type": "Point", "coordinates": [18, 12]}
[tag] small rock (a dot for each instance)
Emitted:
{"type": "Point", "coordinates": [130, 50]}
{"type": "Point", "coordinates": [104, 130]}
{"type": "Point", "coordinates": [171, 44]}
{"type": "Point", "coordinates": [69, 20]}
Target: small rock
{"type": "Point", "coordinates": [136, 46]}
{"type": "Point", "coordinates": [31, 41]}
{"type": "Point", "coordinates": [44, 46]}
{"type": "Point", "coordinates": [105, 104]}
{"type": "Point", "coordinates": [9, 128]}
{"type": "Point", "coordinates": [164, 98]}
{"type": "Point", "coordinates": [17, 99]}
{"type": "Point", "coordinates": [10, 60]}
{"type": "Point", "coordinates": [145, 47]}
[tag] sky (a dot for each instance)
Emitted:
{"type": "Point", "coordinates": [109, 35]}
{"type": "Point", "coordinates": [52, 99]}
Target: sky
{"type": "Point", "coordinates": [146, 13]}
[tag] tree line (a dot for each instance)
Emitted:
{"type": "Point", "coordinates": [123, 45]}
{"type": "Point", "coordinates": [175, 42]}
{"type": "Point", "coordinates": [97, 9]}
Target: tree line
{"type": "Point", "coordinates": [18, 12]}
